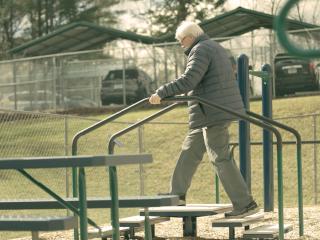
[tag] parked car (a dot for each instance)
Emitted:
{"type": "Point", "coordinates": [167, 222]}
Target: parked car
{"type": "Point", "coordinates": [293, 74]}
{"type": "Point", "coordinates": [133, 82]}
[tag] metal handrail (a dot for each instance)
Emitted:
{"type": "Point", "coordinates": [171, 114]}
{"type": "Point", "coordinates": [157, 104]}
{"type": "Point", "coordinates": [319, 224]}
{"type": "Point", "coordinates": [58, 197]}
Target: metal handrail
{"type": "Point", "coordinates": [112, 173]}
{"type": "Point", "coordinates": [283, 143]}
{"type": "Point", "coordinates": [232, 112]}
{"type": "Point", "coordinates": [111, 145]}
{"type": "Point", "coordinates": [260, 124]}
{"type": "Point", "coordinates": [103, 122]}
{"type": "Point", "coordinates": [112, 170]}
{"type": "Point", "coordinates": [280, 23]}
{"type": "Point", "coordinates": [299, 161]}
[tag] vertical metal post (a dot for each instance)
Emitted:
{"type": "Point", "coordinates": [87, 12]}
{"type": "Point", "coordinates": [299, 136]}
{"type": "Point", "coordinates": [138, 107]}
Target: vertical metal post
{"type": "Point", "coordinates": [124, 78]}
{"type": "Point", "coordinates": [244, 127]}
{"type": "Point", "coordinates": [75, 189]}
{"type": "Point", "coordinates": [54, 84]}
{"type": "Point", "coordinates": [15, 85]}
{"type": "Point", "coordinates": [141, 150]}
{"type": "Point", "coordinates": [113, 185]}
{"type": "Point", "coordinates": [176, 63]}
{"type": "Point", "coordinates": [217, 188]}
{"type": "Point", "coordinates": [267, 140]}
{"type": "Point", "coordinates": [147, 226]}
{"type": "Point", "coordinates": [155, 66]}
{"type": "Point", "coordinates": [35, 235]}
{"type": "Point", "coordinates": [113, 181]}
{"type": "Point", "coordinates": [166, 75]}
{"type": "Point", "coordinates": [66, 153]}
{"type": "Point", "coordinates": [83, 205]}
{"type": "Point", "coordinates": [315, 167]}
{"type": "Point", "coordinates": [280, 193]}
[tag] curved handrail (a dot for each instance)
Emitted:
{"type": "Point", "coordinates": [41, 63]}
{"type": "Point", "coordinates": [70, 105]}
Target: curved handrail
{"type": "Point", "coordinates": [103, 122]}
{"type": "Point", "coordinates": [111, 143]}
{"type": "Point", "coordinates": [260, 124]}
{"type": "Point", "coordinates": [241, 116]}
{"type": "Point", "coordinates": [112, 170]}
{"type": "Point", "coordinates": [299, 161]}
{"type": "Point", "coordinates": [280, 22]}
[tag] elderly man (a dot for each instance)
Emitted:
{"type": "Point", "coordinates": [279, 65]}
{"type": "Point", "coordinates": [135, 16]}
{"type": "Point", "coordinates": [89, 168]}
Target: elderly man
{"type": "Point", "coordinates": [208, 75]}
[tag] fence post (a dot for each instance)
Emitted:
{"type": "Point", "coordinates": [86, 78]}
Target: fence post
{"type": "Point", "coordinates": [124, 78]}
{"type": "Point", "coordinates": [166, 64]}
{"type": "Point", "coordinates": [267, 140]}
{"type": "Point", "coordinates": [176, 62]}
{"type": "Point", "coordinates": [244, 127]}
{"type": "Point", "coordinates": [141, 150]}
{"type": "Point", "coordinates": [66, 153]}
{"type": "Point", "coordinates": [155, 66]}
{"type": "Point", "coordinates": [315, 165]}
{"type": "Point", "coordinates": [54, 83]}
{"type": "Point", "coordinates": [15, 85]}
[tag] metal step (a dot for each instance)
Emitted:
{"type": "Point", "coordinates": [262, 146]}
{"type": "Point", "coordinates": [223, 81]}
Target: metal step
{"type": "Point", "coordinates": [238, 222]}
{"type": "Point", "coordinates": [138, 221]}
{"type": "Point", "coordinates": [106, 232]}
{"type": "Point", "coordinates": [37, 223]}
{"type": "Point", "coordinates": [232, 223]}
{"type": "Point", "coordinates": [269, 231]}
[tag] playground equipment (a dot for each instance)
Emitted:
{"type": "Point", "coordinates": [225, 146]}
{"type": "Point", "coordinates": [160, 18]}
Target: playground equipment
{"type": "Point", "coordinates": [189, 216]}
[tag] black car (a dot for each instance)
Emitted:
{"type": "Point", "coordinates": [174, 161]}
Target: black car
{"type": "Point", "coordinates": [133, 83]}
{"type": "Point", "coordinates": [293, 74]}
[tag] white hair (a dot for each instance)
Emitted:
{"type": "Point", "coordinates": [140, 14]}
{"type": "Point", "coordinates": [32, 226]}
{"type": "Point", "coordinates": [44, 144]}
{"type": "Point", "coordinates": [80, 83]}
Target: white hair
{"type": "Point", "coordinates": [187, 28]}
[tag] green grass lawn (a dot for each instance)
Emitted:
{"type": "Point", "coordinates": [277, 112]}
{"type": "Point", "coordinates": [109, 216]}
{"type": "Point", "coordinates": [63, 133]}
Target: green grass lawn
{"type": "Point", "coordinates": [44, 136]}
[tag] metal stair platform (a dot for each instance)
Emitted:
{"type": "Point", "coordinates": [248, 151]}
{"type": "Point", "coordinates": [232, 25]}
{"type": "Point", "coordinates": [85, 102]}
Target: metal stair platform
{"type": "Point", "coordinates": [232, 223]}
{"type": "Point", "coordinates": [270, 231]}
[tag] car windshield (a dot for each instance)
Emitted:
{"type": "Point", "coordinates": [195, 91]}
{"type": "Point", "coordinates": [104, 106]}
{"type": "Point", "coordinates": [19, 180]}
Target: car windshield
{"type": "Point", "coordinates": [118, 74]}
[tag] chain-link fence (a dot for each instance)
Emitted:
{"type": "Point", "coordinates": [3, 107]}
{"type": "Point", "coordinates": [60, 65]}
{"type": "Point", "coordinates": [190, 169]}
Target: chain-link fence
{"type": "Point", "coordinates": [38, 134]}
{"type": "Point", "coordinates": [77, 80]}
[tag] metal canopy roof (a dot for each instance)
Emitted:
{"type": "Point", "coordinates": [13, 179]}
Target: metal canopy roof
{"type": "Point", "coordinates": [241, 20]}
{"type": "Point", "coordinates": [84, 36]}
{"type": "Point", "coordinates": [76, 36]}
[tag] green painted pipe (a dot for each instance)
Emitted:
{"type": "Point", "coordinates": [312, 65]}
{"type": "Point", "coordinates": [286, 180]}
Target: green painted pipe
{"type": "Point", "coordinates": [83, 205]}
{"type": "Point", "coordinates": [280, 193]}
{"type": "Point", "coordinates": [147, 227]}
{"type": "Point", "coordinates": [56, 196]}
{"type": "Point", "coordinates": [300, 191]}
{"type": "Point", "coordinates": [113, 182]}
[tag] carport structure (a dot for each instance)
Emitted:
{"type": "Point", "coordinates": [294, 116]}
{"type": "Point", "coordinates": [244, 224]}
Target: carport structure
{"type": "Point", "coordinates": [80, 36]}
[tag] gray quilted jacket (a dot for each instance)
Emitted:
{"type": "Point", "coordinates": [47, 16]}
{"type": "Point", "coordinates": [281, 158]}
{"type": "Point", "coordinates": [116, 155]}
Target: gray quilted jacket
{"type": "Point", "coordinates": [208, 75]}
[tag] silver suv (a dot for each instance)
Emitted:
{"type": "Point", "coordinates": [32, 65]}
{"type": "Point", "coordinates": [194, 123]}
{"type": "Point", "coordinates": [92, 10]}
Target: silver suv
{"type": "Point", "coordinates": [131, 84]}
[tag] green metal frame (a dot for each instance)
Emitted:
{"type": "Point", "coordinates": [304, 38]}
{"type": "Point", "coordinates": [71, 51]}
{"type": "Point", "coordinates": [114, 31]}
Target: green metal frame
{"type": "Point", "coordinates": [111, 145]}
{"type": "Point", "coordinates": [266, 77]}
{"type": "Point", "coordinates": [299, 163]}
{"type": "Point", "coordinates": [250, 117]}
{"type": "Point", "coordinates": [262, 125]}
{"type": "Point", "coordinates": [280, 27]}
{"type": "Point", "coordinates": [113, 181]}
{"type": "Point", "coordinates": [241, 116]}
{"type": "Point", "coordinates": [61, 200]}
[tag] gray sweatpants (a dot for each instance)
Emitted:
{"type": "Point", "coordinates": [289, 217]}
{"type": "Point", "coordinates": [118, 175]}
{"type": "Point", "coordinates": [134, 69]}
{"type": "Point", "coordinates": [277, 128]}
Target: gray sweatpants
{"type": "Point", "coordinates": [215, 141]}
